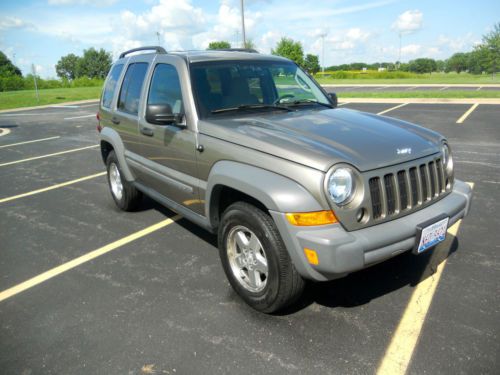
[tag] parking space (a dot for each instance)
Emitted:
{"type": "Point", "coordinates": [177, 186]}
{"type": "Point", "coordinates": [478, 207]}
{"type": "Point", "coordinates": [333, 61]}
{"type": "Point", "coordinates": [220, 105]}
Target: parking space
{"type": "Point", "coordinates": [158, 301]}
{"type": "Point", "coordinates": [409, 87]}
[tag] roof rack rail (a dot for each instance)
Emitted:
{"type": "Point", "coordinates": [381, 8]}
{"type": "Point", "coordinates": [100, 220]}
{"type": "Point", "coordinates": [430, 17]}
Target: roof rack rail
{"type": "Point", "coordinates": [158, 49]}
{"type": "Point", "coordinates": [250, 50]}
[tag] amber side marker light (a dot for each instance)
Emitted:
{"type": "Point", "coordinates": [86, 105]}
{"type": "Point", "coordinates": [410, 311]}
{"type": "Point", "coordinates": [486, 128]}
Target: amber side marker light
{"type": "Point", "coordinates": [311, 218]}
{"type": "Point", "coordinates": [312, 256]}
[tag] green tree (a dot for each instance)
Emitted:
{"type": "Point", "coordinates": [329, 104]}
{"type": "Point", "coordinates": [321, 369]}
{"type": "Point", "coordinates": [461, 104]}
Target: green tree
{"type": "Point", "coordinates": [94, 63]}
{"type": "Point", "coordinates": [488, 52]}
{"type": "Point", "coordinates": [423, 65]}
{"type": "Point", "coordinates": [250, 44]}
{"type": "Point", "coordinates": [440, 65]}
{"type": "Point", "coordinates": [67, 67]}
{"type": "Point", "coordinates": [219, 45]}
{"type": "Point", "coordinates": [311, 63]}
{"type": "Point", "coordinates": [8, 69]}
{"type": "Point", "coordinates": [457, 62]}
{"type": "Point", "coordinates": [290, 49]}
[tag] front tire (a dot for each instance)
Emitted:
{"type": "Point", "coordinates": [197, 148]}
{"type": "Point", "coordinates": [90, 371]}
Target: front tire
{"type": "Point", "coordinates": [125, 195]}
{"type": "Point", "coordinates": [255, 259]}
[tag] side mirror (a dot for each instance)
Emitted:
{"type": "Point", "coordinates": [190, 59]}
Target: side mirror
{"type": "Point", "coordinates": [161, 114]}
{"type": "Point", "coordinates": [333, 99]}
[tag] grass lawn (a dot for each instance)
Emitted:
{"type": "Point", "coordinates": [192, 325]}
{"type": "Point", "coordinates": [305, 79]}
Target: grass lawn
{"type": "Point", "coordinates": [27, 98]}
{"type": "Point", "coordinates": [434, 78]}
{"type": "Point", "coordinates": [454, 94]}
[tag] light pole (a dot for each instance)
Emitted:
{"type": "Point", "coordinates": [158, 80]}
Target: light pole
{"type": "Point", "coordinates": [399, 60]}
{"type": "Point", "coordinates": [322, 52]}
{"type": "Point", "coordinates": [243, 23]}
{"type": "Point", "coordinates": [158, 36]}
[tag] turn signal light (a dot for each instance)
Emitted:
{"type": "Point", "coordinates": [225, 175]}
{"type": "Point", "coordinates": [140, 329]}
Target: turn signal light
{"type": "Point", "coordinates": [312, 218]}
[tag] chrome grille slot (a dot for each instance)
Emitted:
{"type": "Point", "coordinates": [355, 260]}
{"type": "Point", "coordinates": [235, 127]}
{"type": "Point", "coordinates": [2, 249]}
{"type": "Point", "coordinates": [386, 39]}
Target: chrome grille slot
{"type": "Point", "coordinates": [390, 193]}
{"type": "Point", "coordinates": [376, 198]}
{"type": "Point", "coordinates": [414, 186]}
{"type": "Point", "coordinates": [432, 175]}
{"type": "Point", "coordinates": [439, 170]}
{"type": "Point", "coordinates": [403, 190]}
{"type": "Point", "coordinates": [423, 184]}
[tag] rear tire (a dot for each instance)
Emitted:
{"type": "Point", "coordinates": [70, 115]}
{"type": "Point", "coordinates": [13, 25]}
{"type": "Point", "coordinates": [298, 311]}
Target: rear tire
{"type": "Point", "coordinates": [125, 195]}
{"type": "Point", "coordinates": [255, 259]}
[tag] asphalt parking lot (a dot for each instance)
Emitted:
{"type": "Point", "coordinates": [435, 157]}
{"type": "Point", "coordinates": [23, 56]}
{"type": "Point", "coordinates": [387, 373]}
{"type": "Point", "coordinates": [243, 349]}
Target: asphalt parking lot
{"type": "Point", "coordinates": [409, 87]}
{"type": "Point", "coordinates": [158, 302]}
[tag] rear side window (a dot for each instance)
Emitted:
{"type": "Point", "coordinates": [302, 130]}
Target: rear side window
{"type": "Point", "coordinates": [109, 89]}
{"type": "Point", "coordinates": [130, 93]}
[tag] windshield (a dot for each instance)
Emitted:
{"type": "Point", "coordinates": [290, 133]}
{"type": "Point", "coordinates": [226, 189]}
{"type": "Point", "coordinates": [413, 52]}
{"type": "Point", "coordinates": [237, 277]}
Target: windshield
{"type": "Point", "coordinates": [220, 87]}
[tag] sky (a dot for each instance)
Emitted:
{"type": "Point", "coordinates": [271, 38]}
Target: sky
{"type": "Point", "coordinates": [39, 32]}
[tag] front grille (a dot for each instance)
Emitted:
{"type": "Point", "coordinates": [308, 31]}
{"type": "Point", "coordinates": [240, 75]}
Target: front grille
{"type": "Point", "coordinates": [406, 188]}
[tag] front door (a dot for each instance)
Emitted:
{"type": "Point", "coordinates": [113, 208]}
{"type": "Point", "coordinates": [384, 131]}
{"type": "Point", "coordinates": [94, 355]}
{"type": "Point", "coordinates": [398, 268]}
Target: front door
{"type": "Point", "coordinates": [168, 151]}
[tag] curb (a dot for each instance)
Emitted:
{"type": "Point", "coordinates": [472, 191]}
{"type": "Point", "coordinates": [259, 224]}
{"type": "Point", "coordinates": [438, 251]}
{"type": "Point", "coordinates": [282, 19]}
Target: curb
{"type": "Point", "coordinates": [421, 100]}
{"type": "Point", "coordinates": [49, 105]}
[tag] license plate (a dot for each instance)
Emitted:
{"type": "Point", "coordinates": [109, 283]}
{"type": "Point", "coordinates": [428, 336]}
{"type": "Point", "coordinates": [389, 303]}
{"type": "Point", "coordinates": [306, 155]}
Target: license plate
{"type": "Point", "coordinates": [429, 235]}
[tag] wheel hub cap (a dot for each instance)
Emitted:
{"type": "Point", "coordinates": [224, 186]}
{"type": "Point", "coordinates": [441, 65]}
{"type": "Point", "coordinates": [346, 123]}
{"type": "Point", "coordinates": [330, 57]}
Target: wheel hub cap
{"type": "Point", "coordinates": [247, 258]}
{"type": "Point", "coordinates": [115, 181]}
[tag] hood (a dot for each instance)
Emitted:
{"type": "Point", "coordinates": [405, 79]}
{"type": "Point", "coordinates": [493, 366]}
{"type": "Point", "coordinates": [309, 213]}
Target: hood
{"type": "Point", "coordinates": [320, 139]}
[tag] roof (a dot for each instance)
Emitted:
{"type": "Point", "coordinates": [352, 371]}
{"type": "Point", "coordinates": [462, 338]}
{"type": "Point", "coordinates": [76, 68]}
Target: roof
{"type": "Point", "coordinates": [214, 55]}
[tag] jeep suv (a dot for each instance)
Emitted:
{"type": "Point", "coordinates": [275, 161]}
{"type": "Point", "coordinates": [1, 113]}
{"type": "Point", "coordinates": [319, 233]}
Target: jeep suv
{"type": "Point", "coordinates": [251, 148]}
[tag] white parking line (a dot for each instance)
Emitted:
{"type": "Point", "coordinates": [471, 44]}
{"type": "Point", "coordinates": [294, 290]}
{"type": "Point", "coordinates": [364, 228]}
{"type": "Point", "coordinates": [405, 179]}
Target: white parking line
{"type": "Point", "coordinates": [4, 131]}
{"type": "Point", "coordinates": [392, 108]}
{"type": "Point", "coordinates": [64, 106]}
{"type": "Point", "coordinates": [443, 88]}
{"type": "Point", "coordinates": [74, 118]}
{"type": "Point", "coordinates": [84, 259]}
{"type": "Point", "coordinates": [400, 350]}
{"type": "Point", "coordinates": [32, 141]}
{"type": "Point", "coordinates": [8, 199]}
{"type": "Point", "coordinates": [340, 104]}
{"type": "Point", "coordinates": [466, 114]}
{"type": "Point", "coordinates": [479, 88]}
{"type": "Point", "coordinates": [48, 155]}
{"type": "Point", "coordinates": [381, 88]}
{"type": "Point", "coordinates": [411, 88]}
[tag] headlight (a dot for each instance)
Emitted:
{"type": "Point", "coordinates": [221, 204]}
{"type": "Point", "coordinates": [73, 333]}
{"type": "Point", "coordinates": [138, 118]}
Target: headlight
{"type": "Point", "coordinates": [447, 160]}
{"type": "Point", "coordinates": [341, 185]}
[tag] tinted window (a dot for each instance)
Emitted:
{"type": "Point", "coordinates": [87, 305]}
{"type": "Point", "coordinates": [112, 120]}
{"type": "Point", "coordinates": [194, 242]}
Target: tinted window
{"type": "Point", "coordinates": [130, 93]}
{"type": "Point", "coordinates": [109, 89]}
{"type": "Point", "coordinates": [224, 85]}
{"type": "Point", "coordinates": [166, 88]}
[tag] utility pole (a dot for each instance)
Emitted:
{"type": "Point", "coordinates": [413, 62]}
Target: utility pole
{"type": "Point", "coordinates": [322, 52]}
{"type": "Point", "coordinates": [36, 86]}
{"type": "Point", "coordinates": [243, 23]}
{"type": "Point", "coordinates": [158, 36]}
{"type": "Point", "coordinates": [399, 60]}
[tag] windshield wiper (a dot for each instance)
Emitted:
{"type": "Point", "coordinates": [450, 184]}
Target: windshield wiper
{"type": "Point", "coordinates": [251, 106]}
{"type": "Point", "coordinates": [308, 101]}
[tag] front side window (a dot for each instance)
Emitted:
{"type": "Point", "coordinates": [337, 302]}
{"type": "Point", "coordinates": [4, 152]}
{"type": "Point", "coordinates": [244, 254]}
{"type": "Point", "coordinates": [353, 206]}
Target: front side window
{"type": "Point", "coordinates": [166, 88]}
{"type": "Point", "coordinates": [110, 87]}
{"type": "Point", "coordinates": [130, 93]}
{"type": "Point", "coordinates": [256, 85]}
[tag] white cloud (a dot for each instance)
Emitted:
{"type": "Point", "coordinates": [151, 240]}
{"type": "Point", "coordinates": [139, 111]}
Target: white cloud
{"type": "Point", "coordinates": [98, 3]}
{"type": "Point", "coordinates": [408, 22]}
{"type": "Point", "coordinates": [13, 23]}
{"type": "Point", "coordinates": [411, 49]}
{"type": "Point", "coordinates": [356, 34]}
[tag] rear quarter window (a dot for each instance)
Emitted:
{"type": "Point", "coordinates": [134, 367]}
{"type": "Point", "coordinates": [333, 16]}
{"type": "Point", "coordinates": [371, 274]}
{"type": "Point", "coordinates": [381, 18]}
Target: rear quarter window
{"type": "Point", "coordinates": [130, 93]}
{"type": "Point", "coordinates": [110, 87]}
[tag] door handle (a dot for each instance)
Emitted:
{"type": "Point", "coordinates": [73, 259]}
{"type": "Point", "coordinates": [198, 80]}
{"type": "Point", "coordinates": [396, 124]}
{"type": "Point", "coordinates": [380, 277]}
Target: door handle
{"type": "Point", "coordinates": [115, 121]}
{"type": "Point", "coordinates": [147, 131]}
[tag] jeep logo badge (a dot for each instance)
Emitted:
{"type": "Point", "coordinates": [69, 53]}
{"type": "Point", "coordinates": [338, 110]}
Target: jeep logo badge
{"type": "Point", "coordinates": [403, 151]}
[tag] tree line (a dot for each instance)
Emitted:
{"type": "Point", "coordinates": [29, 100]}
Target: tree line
{"type": "Point", "coordinates": [93, 66]}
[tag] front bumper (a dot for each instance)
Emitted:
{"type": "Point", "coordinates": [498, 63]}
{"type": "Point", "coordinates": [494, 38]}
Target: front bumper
{"type": "Point", "coordinates": [341, 252]}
